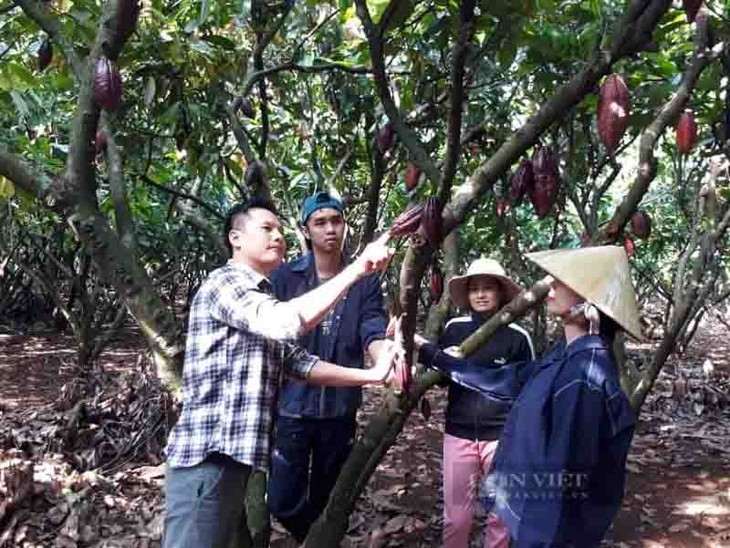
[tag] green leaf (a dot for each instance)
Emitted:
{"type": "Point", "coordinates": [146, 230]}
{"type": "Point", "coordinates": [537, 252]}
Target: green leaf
{"type": "Point", "coordinates": [19, 103]}
{"type": "Point", "coordinates": [7, 189]}
{"type": "Point", "coordinates": [221, 42]}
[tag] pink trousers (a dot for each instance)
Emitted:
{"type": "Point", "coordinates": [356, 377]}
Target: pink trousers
{"type": "Point", "coordinates": [466, 463]}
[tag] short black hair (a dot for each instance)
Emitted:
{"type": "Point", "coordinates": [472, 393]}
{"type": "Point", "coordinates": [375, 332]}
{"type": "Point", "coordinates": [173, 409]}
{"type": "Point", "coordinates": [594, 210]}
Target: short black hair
{"type": "Point", "coordinates": [241, 210]}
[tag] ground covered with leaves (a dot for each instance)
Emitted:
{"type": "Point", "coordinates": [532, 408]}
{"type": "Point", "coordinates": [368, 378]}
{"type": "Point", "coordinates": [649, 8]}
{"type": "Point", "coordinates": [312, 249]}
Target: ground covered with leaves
{"type": "Point", "coordinates": [88, 472]}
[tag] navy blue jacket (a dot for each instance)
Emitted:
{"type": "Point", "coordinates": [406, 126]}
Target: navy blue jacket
{"type": "Point", "coordinates": [469, 415]}
{"type": "Point", "coordinates": [558, 476]}
{"type": "Point", "coordinates": [357, 320]}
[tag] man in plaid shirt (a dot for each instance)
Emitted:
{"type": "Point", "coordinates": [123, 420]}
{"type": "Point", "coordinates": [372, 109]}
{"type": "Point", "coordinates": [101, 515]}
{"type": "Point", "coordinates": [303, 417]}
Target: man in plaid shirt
{"type": "Point", "coordinates": [240, 342]}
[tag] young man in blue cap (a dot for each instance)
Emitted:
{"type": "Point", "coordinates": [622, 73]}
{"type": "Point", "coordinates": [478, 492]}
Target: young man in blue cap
{"type": "Point", "coordinates": [316, 425]}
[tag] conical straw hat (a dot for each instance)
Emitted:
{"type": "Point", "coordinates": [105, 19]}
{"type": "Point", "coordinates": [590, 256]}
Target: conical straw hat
{"type": "Point", "coordinates": [598, 274]}
{"type": "Point", "coordinates": [458, 285]}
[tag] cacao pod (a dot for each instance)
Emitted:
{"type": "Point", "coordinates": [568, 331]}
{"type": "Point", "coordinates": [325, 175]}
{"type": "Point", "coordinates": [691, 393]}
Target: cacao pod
{"type": "Point", "coordinates": [425, 408]}
{"type": "Point", "coordinates": [431, 222]}
{"type": "Point", "coordinates": [436, 285]}
{"type": "Point", "coordinates": [403, 374]}
{"type": "Point", "coordinates": [686, 132]}
{"type": "Point", "coordinates": [501, 207]}
{"type": "Point", "coordinates": [386, 138]}
{"type": "Point", "coordinates": [107, 84]}
{"type": "Point", "coordinates": [547, 181]}
{"type": "Point", "coordinates": [255, 175]}
{"type": "Point", "coordinates": [613, 111]}
{"type": "Point", "coordinates": [407, 222]}
{"type": "Point", "coordinates": [127, 15]}
{"type": "Point", "coordinates": [629, 246]}
{"type": "Point", "coordinates": [522, 181]}
{"type": "Point", "coordinates": [691, 7]}
{"type": "Point", "coordinates": [413, 174]}
{"type": "Point", "coordinates": [641, 224]}
{"type": "Point", "coordinates": [45, 54]}
{"type": "Point", "coordinates": [247, 108]}
{"type": "Point", "coordinates": [100, 141]}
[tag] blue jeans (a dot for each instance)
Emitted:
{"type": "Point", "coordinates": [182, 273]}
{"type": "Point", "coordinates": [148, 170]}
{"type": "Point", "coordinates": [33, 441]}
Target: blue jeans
{"type": "Point", "coordinates": [308, 456]}
{"type": "Point", "coordinates": [204, 503]}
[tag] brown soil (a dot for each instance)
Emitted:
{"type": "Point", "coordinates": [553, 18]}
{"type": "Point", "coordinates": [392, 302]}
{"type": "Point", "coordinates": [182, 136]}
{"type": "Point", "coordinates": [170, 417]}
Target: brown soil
{"type": "Point", "coordinates": [679, 471]}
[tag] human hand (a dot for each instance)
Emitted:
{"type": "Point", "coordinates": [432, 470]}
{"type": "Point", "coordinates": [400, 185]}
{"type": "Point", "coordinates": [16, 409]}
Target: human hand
{"type": "Point", "coordinates": [375, 257]}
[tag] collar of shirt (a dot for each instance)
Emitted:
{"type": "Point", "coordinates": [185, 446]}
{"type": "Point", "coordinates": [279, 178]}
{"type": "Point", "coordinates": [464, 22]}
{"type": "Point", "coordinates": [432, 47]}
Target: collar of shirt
{"type": "Point", "coordinates": [257, 279]}
{"type": "Point", "coordinates": [562, 352]}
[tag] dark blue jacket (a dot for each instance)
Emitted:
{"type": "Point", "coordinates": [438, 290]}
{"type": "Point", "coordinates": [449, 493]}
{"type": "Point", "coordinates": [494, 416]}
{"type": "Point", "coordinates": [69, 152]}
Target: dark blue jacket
{"type": "Point", "coordinates": [357, 320]}
{"type": "Point", "coordinates": [558, 476]}
{"type": "Point", "coordinates": [469, 415]}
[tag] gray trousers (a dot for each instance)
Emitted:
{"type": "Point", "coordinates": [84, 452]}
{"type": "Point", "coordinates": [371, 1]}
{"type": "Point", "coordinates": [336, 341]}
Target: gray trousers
{"type": "Point", "coordinates": [204, 504]}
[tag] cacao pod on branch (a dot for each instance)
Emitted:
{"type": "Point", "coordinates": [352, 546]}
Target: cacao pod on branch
{"type": "Point", "coordinates": [255, 176]}
{"type": "Point", "coordinates": [413, 174]}
{"type": "Point", "coordinates": [629, 246]}
{"type": "Point", "coordinates": [385, 138]}
{"type": "Point", "coordinates": [127, 14]}
{"type": "Point", "coordinates": [641, 224]}
{"type": "Point", "coordinates": [431, 222]}
{"type": "Point", "coordinates": [522, 181]}
{"type": "Point", "coordinates": [501, 207]}
{"type": "Point", "coordinates": [244, 105]}
{"type": "Point", "coordinates": [407, 222]}
{"type": "Point", "coordinates": [686, 132]}
{"type": "Point", "coordinates": [691, 7]}
{"type": "Point", "coordinates": [547, 181]}
{"type": "Point", "coordinates": [100, 141]}
{"type": "Point", "coordinates": [613, 111]}
{"type": "Point", "coordinates": [45, 54]}
{"type": "Point", "coordinates": [107, 84]}
{"type": "Point", "coordinates": [436, 284]}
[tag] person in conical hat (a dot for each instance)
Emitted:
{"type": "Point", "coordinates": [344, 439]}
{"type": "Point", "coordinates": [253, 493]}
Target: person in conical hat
{"type": "Point", "coordinates": [558, 476]}
{"type": "Point", "coordinates": [474, 424]}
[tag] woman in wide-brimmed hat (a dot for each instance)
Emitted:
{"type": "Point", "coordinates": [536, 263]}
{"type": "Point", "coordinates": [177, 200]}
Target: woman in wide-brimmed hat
{"type": "Point", "coordinates": [558, 476]}
{"type": "Point", "coordinates": [474, 423]}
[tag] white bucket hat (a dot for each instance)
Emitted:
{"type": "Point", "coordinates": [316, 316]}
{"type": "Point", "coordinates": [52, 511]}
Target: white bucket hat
{"type": "Point", "coordinates": [598, 274]}
{"type": "Point", "coordinates": [459, 285]}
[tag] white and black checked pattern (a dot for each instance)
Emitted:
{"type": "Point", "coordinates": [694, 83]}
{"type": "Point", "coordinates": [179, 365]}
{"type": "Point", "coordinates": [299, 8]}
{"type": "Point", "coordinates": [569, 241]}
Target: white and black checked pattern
{"type": "Point", "coordinates": [239, 341]}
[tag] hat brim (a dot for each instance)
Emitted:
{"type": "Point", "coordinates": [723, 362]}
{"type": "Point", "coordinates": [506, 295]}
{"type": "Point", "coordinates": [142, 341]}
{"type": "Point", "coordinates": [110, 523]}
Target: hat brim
{"type": "Point", "coordinates": [626, 315]}
{"type": "Point", "coordinates": [459, 288]}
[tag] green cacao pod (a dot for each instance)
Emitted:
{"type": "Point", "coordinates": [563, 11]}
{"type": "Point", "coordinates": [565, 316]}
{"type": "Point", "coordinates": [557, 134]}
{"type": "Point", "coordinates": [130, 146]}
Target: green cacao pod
{"type": "Point", "coordinates": [107, 84]}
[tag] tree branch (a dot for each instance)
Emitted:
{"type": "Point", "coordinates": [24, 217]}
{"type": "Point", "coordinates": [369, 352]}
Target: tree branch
{"type": "Point", "coordinates": [456, 103]}
{"type": "Point", "coordinates": [410, 139]}
{"type": "Point", "coordinates": [180, 194]}
{"type": "Point", "coordinates": [22, 175]}
{"type": "Point", "coordinates": [118, 190]}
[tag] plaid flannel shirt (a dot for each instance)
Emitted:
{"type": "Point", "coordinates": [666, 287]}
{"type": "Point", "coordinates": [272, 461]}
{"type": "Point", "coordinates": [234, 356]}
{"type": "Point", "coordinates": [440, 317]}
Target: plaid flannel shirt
{"type": "Point", "coordinates": [239, 341]}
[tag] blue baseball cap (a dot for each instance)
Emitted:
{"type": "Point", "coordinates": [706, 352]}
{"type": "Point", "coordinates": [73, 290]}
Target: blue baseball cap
{"type": "Point", "coordinates": [320, 200]}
